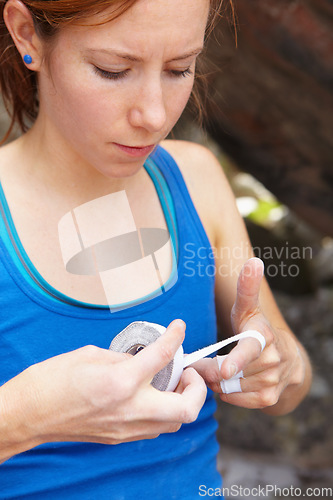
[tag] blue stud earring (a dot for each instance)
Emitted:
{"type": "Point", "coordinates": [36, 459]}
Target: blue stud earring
{"type": "Point", "coordinates": [27, 59]}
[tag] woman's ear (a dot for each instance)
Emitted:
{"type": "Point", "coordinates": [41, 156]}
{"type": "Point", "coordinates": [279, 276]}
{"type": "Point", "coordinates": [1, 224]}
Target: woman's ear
{"type": "Point", "coordinates": [20, 25]}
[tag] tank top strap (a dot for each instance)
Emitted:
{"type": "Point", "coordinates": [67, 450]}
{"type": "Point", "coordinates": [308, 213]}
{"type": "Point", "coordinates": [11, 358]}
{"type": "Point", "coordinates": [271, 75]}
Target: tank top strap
{"type": "Point", "coordinates": [185, 213]}
{"type": "Point", "coordinates": [28, 271]}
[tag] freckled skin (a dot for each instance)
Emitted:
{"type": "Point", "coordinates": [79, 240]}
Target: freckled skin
{"type": "Point", "coordinates": [85, 113]}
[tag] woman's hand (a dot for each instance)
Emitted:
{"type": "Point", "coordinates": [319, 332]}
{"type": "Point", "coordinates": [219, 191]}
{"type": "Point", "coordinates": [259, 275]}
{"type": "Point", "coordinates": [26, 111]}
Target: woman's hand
{"type": "Point", "coordinates": [276, 378]}
{"type": "Point", "coordinates": [97, 395]}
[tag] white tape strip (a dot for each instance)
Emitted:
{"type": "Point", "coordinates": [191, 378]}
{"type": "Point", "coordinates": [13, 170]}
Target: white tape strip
{"type": "Point", "coordinates": [206, 351]}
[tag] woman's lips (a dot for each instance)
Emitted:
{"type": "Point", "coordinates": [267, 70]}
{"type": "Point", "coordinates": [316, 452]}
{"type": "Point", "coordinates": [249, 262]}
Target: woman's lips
{"type": "Point", "coordinates": [135, 151]}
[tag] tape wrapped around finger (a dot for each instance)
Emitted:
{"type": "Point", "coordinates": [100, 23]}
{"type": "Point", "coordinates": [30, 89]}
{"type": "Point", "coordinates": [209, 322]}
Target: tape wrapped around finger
{"type": "Point", "coordinates": [233, 384]}
{"type": "Point", "coordinates": [140, 334]}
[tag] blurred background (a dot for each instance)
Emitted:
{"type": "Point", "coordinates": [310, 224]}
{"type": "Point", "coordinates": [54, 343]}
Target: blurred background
{"type": "Point", "coordinates": [268, 104]}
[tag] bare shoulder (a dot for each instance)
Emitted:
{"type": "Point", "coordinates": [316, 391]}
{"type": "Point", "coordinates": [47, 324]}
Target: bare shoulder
{"type": "Point", "coordinates": [205, 180]}
{"type": "Point", "coordinates": [193, 159]}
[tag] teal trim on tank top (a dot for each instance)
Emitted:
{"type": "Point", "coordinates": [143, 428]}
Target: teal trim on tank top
{"type": "Point", "coordinates": [29, 272]}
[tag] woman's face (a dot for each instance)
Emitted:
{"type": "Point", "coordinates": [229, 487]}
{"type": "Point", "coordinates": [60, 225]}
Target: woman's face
{"type": "Point", "coordinates": [112, 92]}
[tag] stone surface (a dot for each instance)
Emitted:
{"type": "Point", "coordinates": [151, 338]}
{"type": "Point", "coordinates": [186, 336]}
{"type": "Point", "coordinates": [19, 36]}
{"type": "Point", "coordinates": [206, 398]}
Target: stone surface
{"type": "Point", "coordinates": [272, 96]}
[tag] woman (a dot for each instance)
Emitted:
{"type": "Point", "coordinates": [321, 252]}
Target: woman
{"type": "Point", "coordinates": [104, 82]}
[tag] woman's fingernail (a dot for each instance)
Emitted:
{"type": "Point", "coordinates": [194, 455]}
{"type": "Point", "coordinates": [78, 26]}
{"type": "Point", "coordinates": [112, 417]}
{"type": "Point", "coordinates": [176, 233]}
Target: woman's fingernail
{"type": "Point", "coordinates": [178, 323]}
{"type": "Point", "coordinates": [232, 370]}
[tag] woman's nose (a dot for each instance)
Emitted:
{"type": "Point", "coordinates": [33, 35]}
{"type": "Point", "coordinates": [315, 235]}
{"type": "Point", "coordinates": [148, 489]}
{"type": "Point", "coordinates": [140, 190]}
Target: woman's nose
{"type": "Point", "coordinates": [148, 109]}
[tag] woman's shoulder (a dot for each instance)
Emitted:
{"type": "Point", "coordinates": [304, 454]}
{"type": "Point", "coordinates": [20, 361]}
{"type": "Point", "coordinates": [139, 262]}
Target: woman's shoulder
{"type": "Point", "coordinates": [205, 180]}
{"type": "Point", "coordinates": [200, 168]}
{"type": "Point", "coordinates": [191, 156]}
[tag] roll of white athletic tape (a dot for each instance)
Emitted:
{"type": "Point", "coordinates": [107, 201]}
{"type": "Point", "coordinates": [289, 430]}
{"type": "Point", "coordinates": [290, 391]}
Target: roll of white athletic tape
{"type": "Point", "coordinates": [140, 334]}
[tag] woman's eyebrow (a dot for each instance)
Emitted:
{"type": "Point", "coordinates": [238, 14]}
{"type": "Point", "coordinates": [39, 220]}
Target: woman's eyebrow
{"type": "Point", "coordinates": [131, 57]}
{"type": "Point", "coordinates": [192, 53]}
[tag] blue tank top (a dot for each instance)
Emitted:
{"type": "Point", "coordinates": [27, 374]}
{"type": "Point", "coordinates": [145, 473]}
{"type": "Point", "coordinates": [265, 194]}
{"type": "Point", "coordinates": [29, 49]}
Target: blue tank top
{"type": "Point", "coordinates": [36, 325]}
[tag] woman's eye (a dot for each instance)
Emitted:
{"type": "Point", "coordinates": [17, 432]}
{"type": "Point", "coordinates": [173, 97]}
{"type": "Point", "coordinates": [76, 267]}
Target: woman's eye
{"type": "Point", "coordinates": [111, 75]}
{"type": "Point", "coordinates": [179, 73]}
{"type": "Point", "coordinates": [117, 75]}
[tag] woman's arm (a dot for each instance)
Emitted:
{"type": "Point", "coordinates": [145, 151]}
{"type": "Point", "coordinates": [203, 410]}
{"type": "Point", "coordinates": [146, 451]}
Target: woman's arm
{"type": "Point", "coordinates": [99, 396]}
{"type": "Point", "coordinates": [277, 379]}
